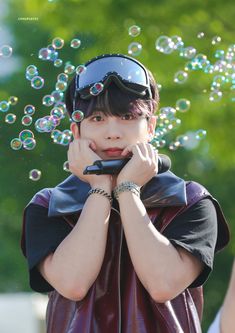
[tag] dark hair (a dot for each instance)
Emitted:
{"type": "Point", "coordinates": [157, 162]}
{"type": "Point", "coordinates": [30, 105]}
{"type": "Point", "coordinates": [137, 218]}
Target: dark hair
{"type": "Point", "coordinates": [114, 101]}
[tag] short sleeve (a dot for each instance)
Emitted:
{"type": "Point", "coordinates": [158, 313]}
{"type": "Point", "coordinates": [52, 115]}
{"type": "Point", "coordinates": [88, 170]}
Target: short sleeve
{"type": "Point", "coordinates": [43, 234]}
{"type": "Point", "coordinates": [196, 231]}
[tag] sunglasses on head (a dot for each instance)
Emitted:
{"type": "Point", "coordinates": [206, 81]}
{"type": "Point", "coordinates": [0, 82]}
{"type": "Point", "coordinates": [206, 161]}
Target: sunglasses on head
{"type": "Point", "coordinates": [127, 73]}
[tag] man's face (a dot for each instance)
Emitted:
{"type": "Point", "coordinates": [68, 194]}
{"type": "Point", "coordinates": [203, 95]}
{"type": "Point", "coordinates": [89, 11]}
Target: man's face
{"type": "Point", "coordinates": [112, 134]}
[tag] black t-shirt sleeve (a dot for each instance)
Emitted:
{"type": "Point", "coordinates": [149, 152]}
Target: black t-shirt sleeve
{"type": "Point", "coordinates": [196, 231]}
{"type": "Point", "coordinates": [43, 234]}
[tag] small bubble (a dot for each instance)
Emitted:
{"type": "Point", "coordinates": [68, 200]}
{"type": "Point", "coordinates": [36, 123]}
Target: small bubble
{"type": "Point", "coordinates": [66, 166]}
{"type": "Point", "coordinates": [5, 51]}
{"type": "Point", "coordinates": [75, 43]}
{"type": "Point", "coordinates": [29, 144]}
{"type": "Point", "coordinates": [44, 53]}
{"type": "Point", "coordinates": [48, 100]}
{"type": "Point", "coordinates": [180, 77]}
{"type": "Point", "coordinates": [58, 43]}
{"type": "Point", "coordinates": [58, 112]}
{"type": "Point", "coordinates": [215, 96]}
{"type": "Point", "coordinates": [69, 69]}
{"type": "Point", "coordinates": [177, 41]}
{"type": "Point", "coordinates": [16, 144]}
{"type": "Point", "coordinates": [134, 31]}
{"type": "Point", "coordinates": [58, 62]}
{"type": "Point", "coordinates": [10, 118]}
{"type": "Point", "coordinates": [200, 35]}
{"type": "Point", "coordinates": [134, 49]}
{"type": "Point", "coordinates": [188, 52]}
{"type": "Point", "coordinates": [80, 69]}
{"type": "Point", "coordinates": [58, 95]}
{"type": "Point", "coordinates": [37, 82]}
{"type": "Point", "coordinates": [13, 100]}
{"type": "Point", "coordinates": [4, 106]}
{"type": "Point", "coordinates": [96, 89]}
{"type": "Point", "coordinates": [35, 174]}
{"type": "Point", "coordinates": [182, 105]}
{"type": "Point", "coordinates": [216, 40]}
{"type": "Point", "coordinates": [26, 120]}
{"type": "Point", "coordinates": [164, 44]}
{"type": "Point", "coordinates": [200, 134]}
{"type": "Point", "coordinates": [62, 77]}
{"type": "Point", "coordinates": [29, 109]}
{"type": "Point", "coordinates": [77, 116]}
{"type": "Point", "coordinates": [61, 86]}
{"type": "Point", "coordinates": [25, 134]}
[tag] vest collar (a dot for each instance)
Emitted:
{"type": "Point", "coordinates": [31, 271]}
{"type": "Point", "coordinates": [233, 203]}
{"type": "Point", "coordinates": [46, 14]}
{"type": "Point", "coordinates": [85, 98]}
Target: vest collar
{"type": "Point", "coordinates": [165, 189]}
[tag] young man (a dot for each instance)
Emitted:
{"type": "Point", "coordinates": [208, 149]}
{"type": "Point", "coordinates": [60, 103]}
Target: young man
{"type": "Point", "coordinates": [127, 252]}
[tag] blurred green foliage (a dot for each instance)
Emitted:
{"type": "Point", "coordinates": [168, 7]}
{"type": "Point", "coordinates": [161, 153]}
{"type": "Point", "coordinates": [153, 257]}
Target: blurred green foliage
{"type": "Point", "coordinates": [102, 26]}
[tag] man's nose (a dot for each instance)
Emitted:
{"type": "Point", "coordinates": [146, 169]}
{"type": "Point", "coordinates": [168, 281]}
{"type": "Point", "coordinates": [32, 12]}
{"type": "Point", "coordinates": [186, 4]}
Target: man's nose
{"type": "Point", "coordinates": [113, 130]}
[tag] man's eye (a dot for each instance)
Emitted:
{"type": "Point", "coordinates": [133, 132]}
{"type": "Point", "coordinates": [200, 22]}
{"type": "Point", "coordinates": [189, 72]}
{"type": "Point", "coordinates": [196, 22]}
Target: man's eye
{"type": "Point", "coordinates": [97, 118]}
{"type": "Point", "coordinates": [128, 116]}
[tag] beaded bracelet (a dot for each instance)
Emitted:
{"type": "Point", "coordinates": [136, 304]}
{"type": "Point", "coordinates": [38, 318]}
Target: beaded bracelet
{"type": "Point", "coordinates": [126, 186]}
{"type": "Point", "coordinates": [102, 192]}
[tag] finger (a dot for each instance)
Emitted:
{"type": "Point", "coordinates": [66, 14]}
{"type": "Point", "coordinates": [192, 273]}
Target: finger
{"type": "Point", "coordinates": [128, 150]}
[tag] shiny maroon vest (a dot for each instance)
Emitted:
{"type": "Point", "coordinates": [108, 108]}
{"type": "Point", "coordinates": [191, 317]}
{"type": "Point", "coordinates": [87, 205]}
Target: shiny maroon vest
{"type": "Point", "coordinates": [117, 302]}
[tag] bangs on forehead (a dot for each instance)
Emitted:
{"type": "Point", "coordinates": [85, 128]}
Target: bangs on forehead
{"type": "Point", "coordinates": [114, 102]}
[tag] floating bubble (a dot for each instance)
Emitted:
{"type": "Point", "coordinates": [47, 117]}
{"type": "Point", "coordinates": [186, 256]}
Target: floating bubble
{"type": "Point", "coordinates": [55, 134]}
{"type": "Point", "coordinates": [26, 120]}
{"type": "Point", "coordinates": [80, 69]}
{"type": "Point", "coordinates": [173, 146]}
{"type": "Point", "coordinates": [180, 77]}
{"type": "Point", "coordinates": [16, 144]}
{"type": "Point", "coordinates": [4, 106]}
{"type": "Point", "coordinates": [29, 143]}
{"type": "Point", "coordinates": [58, 62]}
{"type": "Point", "coordinates": [31, 71]}
{"type": "Point", "coordinates": [177, 42]}
{"type": "Point", "coordinates": [69, 68]}
{"type": "Point", "coordinates": [200, 134]}
{"type": "Point", "coordinates": [61, 86]}
{"type": "Point", "coordinates": [164, 44]}
{"type": "Point", "coordinates": [58, 43]}
{"type": "Point", "coordinates": [134, 31]}
{"type": "Point", "coordinates": [53, 56]}
{"type": "Point", "coordinates": [181, 140]}
{"type": "Point", "coordinates": [48, 100]}
{"type": "Point", "coordinates": [5, 51]}
{"type": "Point", "coordinates": [159, 86]}
{"type": "Point", "coordinates": [13, 100]}
{"type": "Point", "coordinates": [77, 116]}
{"type": "Point", "coordinates": [167, 112]}
{"type": "Point", "coordinates": [66, 166]}
{"type": "Point", "coordinates": [200, 35]}
{"type": "Point", "coordinates": [62, 77]}
{"type": "Point", "coordinates": [37, 82]}
{"type": "Point", "coordinates": [219, 54]}
{"type": "Point", "coordinates": [96, 89]}
{"type": "Point", "coordinates": [10, 118]}
{"type": "Point", "coordinates": [216, 40]}
{"type": "Point", "coordinates": [61, 105]}
{"type": "Point", "coordinates": [29, 109]}
{"type": "Point", "coordinates": [58, 95]}
{"type": "Point", "coordinates": [57, 112]}
{"type": "Point", "coordinates": [134, 49]}
{"type": "Point", "coordinates": [44, 53]}
{"type": "Point", "coordinates": [182, 105]}
{"type": "Point", "coordinates": [215, 96]}
{"type": "Point", "coordinates": [200, 61]}
{"type": "Point", "coordinates": [188, 52]}
{"type": "Point", "coordinates": [75, 43]}
{"type": "Point", "coordinates": [25, 134]}
{"type": "Point", "coordinates": [35, 174]}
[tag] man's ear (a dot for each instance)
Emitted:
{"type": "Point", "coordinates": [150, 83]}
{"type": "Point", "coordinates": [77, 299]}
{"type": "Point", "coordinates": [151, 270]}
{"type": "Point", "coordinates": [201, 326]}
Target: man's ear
{"type": "Point", "coordinates": [151, 127]}
{"type": "Point", "coordinates": [75, 130]}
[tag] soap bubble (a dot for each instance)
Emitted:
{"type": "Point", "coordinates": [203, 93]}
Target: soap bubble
{"type": "Point", "coordinates": [69, 68]}
{"type": "Point", "coordinates": [177, 42]}
{"type": "Point", "coordinates": [37, 82]}
{"type": "Point", "coordinates": [77, 115]}
{"type": "Point", "coordinates": [16, 144]}
{"type": "Point", "coordinates": [4, 106]}
{"type": "Point", "coordinates": [13, 100]}
{"type": "Point", "coordinates": [134, 31]}
{"type": "Point", "coordinates": [96, 89]}
{"type": "Point", "coordinates": [182, 105]}
{"type": "Point", "coordinates": [25, 134]}
{"type": "Point", "coordinates": [58, 62]}
{"type": "Point", "coordinates": [216, 40]}
{"type": "Point", "coordinates": [61, 86]}
{"type": "Point", "coordinates": [188, 52]}
{"type": "Point", "coordinates": [80, 69]}
{"type": "Point", "coordinates": [10, 118]}
{"type": "Point", "coordinates": [75, 43]}
{"type": "Point", "coordinates": [31, 71]}
{"type": "Point", "coordinates": [58, 95]}
{"type": "Point", "coordinates": [164, 44]}
{"type": "Point", "coordinates": [58, 43]}
{"type": "Point", "coordinates": [44, 53]}
{"type": "Point", "coordinates": [29, 109]}
{"type": "Point", "coordinates": [200, 35]}
{"type": "Point", "coordinates": [26, 120]}
{"type": "Point", "coordinates": [215, 96]}
{"type": "Point", "coordinates": [29, 143]}
{"type": "Point", "coordinates": [57, 112]}
{"type": "Point", "coordinates": [180, 77]}
{"type": "Point", "coordinates": [48, 100]}
{"type": "Point", "coordinates": [35, 174]}
{"type": "Point", "coordinates": [200, 134]}
{"type": "Point", "coordinates": [5, 51]}
{"type": "Point", "coordinates": [62, 77]}
{"type": "Point", "coordinates": [66, 166]}
{"type": "Point", "coordinates": [134, 49]}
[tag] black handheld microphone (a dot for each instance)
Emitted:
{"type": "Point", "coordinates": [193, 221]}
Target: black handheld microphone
{"type": "Point", "coordinates": [111, 167]}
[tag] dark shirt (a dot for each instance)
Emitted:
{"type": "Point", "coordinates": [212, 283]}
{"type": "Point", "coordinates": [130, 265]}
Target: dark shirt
{"type": "Point", "coordinates": [195, 230]}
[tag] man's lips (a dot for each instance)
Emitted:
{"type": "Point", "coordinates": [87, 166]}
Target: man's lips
{"type": "Point", "coordinates": [113, 152]}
